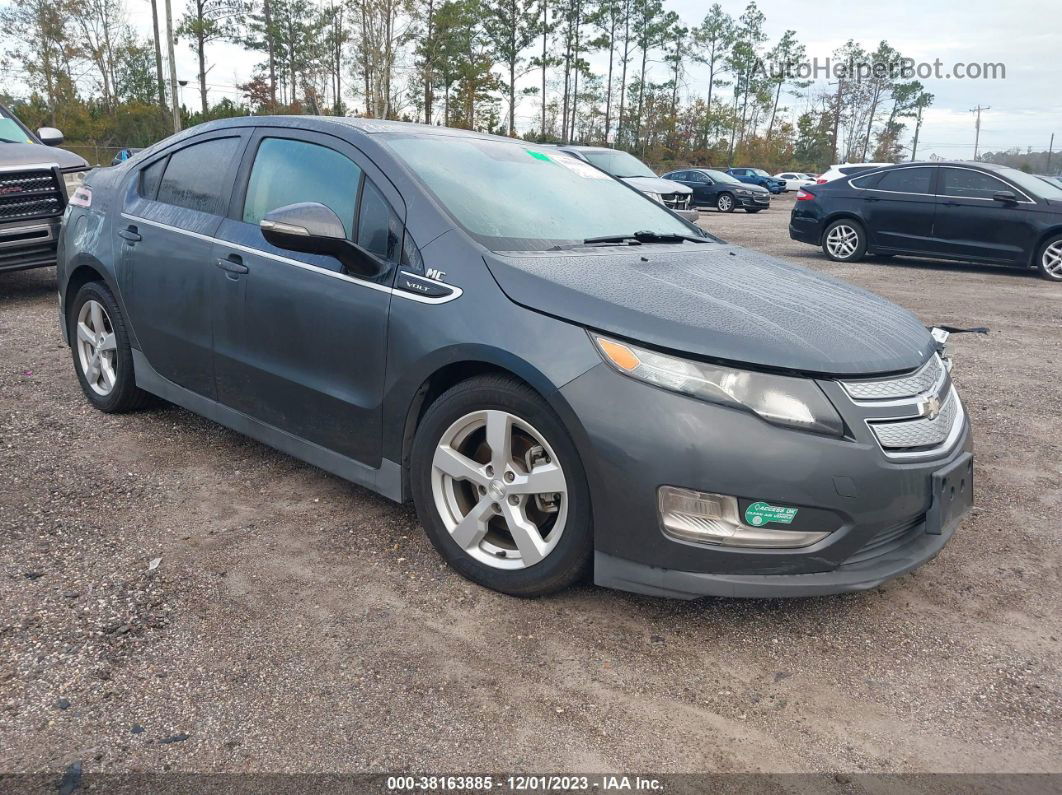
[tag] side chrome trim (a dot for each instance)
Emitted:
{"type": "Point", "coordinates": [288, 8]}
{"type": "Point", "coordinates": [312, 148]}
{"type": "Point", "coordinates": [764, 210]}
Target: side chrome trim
{"type": "Point", "coordinates": [457, 292]}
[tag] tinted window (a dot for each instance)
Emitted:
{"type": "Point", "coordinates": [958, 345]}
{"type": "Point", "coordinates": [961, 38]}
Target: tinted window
{"type": "Point", "coordinates": [288, 172]}
{"type": "Point", "coordinates": [788, 176]}
{"type": "Point", "coordinates": [847, 170]}
{"type": "Point", "coordinates": [906, 180]}
{"type": "Point", "coordinates": [966, 184]}
{"type": "Point", "coordinates": [150, 178]}
{"type": "Point", "coordinates": [378, 229]}
{"type": "Point", "coordinates": [411, 258]}
{"type": "Point", "coordinates": [196, 176]}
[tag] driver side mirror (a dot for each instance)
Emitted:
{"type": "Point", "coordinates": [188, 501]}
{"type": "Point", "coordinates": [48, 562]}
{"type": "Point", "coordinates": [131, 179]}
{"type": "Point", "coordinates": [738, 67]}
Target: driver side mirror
{"type": "Point", "coordinates": [312, 228]}
{"type": "Point", "coordinates": [50, 136]}
{"type": "Point", "coordinates": [1005, 196]}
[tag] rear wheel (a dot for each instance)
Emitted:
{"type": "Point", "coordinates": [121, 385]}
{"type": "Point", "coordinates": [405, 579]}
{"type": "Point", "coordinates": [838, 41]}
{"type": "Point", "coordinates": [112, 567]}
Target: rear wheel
{"type": "Point", "coordinates": [1049, 259]}
{"type": "Point", "coordinates": [500, 489]}
{"type": "Point", "coordinates": [724, 202]}
{"type": "Point", "coordinates": [103, 357]}
{"type": "Point", "coordinates": [844, 241]}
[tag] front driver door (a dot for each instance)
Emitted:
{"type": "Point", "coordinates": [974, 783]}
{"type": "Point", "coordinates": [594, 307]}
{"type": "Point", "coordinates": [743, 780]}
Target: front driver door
{"type": "Point", "coordinates": [299, 341]}
{"type": "Point", "coordinates": [972, 225]}
{"type": "Point", "coordinates": [172, 207]}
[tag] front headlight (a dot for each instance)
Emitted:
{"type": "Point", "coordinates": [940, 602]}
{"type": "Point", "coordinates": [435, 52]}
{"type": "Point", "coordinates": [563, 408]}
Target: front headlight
{"type": "Point", "coordinates": [73, 180]}
{"type": "Point", "coordinates": [655, 197]}
{"type": "Point", "coordinates": [743, 192]}
{"type": "Point", "coordinates": [778, 399]}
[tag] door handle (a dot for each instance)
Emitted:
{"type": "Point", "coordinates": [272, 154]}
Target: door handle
{"type": "Point", "coordinates": [130, 234]}
{"type": "Point", "coordinates": [233, 264]}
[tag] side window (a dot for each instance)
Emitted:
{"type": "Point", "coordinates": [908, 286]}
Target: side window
{"type": "Point", "coordinates": [196, 176]}
{"type": "Point", "coordinates": [287, 171]}
{"type": "Point", "coordinates": [411, 258]}
{"type": "Point", "coordinates": [150, 178]}
{"type": "Point", "coordinates": [378, 227]}
{"type": "Point", "coordinates": [906, 180]}
{"type": "Point", "coordinates": [966, 184]}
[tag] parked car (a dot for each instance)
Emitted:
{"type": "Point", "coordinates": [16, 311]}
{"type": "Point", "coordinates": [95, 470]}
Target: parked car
{"type": "Point", "coordinates": [124, 154]}
{"type": "Point", "coordinates": [718, 189]}
{"type": "Point", "coordinates": [973, 212]}
{"type": "Point", "coordinates": [626, 167]}
{"type": "Point", "coordinates": [847, 170]}
{"type": "Point", "coordinates": [757, 176]}
{"type": "Point", "coordinates": [1056, 181]}
{"type": "Point", "coordinates": [795, 180]}
{"type": "Point", "coordinates": [575, 381]}
{"type": "Point", "coordinates": [35, 180]}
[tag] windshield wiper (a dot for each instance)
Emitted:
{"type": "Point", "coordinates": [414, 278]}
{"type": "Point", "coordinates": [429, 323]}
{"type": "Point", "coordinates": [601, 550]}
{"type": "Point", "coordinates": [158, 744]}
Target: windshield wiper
{"type": "Point", "coordinates": [645, 237]}
{"type": "Point", "coordinates": [8, 141]}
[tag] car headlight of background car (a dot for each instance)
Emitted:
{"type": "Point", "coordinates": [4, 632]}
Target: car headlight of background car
{"type": "Point", "coordinates": [73, 179]}
{"type": "Point", "coordinates": [778, 399]}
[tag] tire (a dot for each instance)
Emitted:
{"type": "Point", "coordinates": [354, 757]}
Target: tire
{"type": "Point", "coordinates": [845, 241]}
{"type": "Point", "coordinates": [465, 505]}
{"type": "Point", "coordinates": [96, 323]}
{"type": "Point", "coordinates": [1049, 259]}
{"type": "Point", "coordinates": [753, 210]}
{"type": "Point", "coordinates": [724, 202]}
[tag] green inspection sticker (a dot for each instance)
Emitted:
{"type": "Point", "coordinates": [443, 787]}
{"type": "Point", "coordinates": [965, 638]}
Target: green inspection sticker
{"type": "Point", "coordinates": [761, 513]}
{"type": "Point", "coordinates": [538, 155]}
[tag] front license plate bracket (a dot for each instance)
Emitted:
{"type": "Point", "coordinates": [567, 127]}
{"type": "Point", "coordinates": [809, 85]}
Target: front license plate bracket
{"type": "Point", "coordinates": [952, 495]}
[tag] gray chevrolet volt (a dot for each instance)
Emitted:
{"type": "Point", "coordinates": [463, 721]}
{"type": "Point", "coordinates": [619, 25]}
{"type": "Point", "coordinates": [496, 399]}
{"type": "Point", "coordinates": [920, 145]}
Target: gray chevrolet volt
{"type": "Point", "coordinates": [564, 377]}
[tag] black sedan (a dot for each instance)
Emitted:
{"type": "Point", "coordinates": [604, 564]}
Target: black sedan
{"type": "Point", "coordinates": [718, 189]}
{"type": "Point", "coordinates": [979, 213]}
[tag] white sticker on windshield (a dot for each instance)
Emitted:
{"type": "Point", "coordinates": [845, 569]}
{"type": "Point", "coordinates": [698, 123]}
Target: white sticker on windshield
{"type": "Point", "coordinates": [580, 167]}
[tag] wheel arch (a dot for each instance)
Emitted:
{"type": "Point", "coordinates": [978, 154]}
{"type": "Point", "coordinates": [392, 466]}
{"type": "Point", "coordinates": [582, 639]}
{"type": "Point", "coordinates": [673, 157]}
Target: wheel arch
{"type": "Point", "coordinates": [447, 371]}
{"type": "Point", "coordinates": [1043, 238]}
{"type": "Point", "coordinates": [840, 215]}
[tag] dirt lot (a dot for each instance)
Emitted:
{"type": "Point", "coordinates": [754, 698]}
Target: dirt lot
{"type": "Point", "coordinates": [297, 623]}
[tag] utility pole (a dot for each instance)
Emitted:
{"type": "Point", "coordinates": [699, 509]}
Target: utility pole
{"type": "Point", "coordinates": [1050, 151]}
{"type": "Point", "coordinates": [175, 108]}
{"type": "Point", "coordinates": [837, 120]}
{"type": "Point", "coordinates": [977, 126]}
{"type": "Point", "coordinates": [158, 53]}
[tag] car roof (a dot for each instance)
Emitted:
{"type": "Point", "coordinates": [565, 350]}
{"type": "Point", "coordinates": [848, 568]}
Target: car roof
{"type": "Point", "coordinates": [356, 124]}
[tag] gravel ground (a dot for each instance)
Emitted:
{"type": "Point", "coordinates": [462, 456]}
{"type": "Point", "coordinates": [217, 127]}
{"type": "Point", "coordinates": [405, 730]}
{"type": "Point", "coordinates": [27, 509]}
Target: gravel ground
{"type": "Point", "coordinates": [298, 623]}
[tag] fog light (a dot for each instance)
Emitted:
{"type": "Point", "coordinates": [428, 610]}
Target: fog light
{"type": "Point", "coordinates": [714, 519]}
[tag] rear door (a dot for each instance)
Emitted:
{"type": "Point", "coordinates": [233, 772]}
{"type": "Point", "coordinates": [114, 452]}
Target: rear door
{"type": "Point", "coordinates": [171, 209]}
{"type": "Point", "coordinates": [971, 224]}
{"type": "Point", "coordinates": [899, 207]}
{"type": "Point", "coordinates": [299, 341]}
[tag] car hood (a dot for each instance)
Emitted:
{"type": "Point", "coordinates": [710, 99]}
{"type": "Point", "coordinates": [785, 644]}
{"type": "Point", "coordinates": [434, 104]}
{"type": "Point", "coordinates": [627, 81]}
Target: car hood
{"type": "Point", "coordinates": [656, 185]}
{"type": "Point", "coordinates": [720, 302]}
{"type": "Point", "coordinates": [752, 187]}
{"type": "Point", "coordinates": [36, 154]}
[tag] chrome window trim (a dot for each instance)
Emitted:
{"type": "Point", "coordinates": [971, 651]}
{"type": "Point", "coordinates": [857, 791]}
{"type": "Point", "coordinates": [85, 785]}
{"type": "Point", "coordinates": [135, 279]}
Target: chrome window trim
{"type": "Point", "coordinates": [852, 181]}
{"type": "Point", "coordinates": [979, 198]}
{"type": "Point", "coordinates": [420, 299]}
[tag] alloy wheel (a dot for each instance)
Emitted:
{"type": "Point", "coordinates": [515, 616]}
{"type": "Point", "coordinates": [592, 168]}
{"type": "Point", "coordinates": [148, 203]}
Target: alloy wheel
{"type": "Point", "coordinates": [1052, 260]}
{"type": "Point", "coordinates": [499, 489]}
{"type": "Point", "coordinates": [97, 347]}
{"type": "Point", "coordinates": [842, 241]}
{"type": "Point", "coordinates": [725, 202]}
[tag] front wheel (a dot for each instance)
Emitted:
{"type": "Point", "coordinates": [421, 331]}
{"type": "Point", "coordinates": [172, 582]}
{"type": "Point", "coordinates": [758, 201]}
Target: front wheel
{"type": "Point", "coordinates": [724, 202]}
{"type": "Point", "coordinates": [844, 241]}
{"type": "Point", "coordinates": [500, 489]}
{"type": "Point", "coordinates": [1049, 259]}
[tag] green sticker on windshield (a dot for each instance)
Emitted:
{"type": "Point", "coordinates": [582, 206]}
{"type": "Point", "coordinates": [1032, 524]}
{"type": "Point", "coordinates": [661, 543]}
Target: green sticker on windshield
{"type": "Point", "coordinates": [538, 155]}
{"type": "Point", "coordinates": [760, 513]}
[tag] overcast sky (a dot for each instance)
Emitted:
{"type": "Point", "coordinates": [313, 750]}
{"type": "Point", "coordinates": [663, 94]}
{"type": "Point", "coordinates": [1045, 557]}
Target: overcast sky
{"type": "Point", "coordinates": [1024, 35]}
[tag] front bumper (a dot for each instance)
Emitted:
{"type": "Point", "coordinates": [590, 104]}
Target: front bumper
{"type": "Point", "coordinates": [28, 244]}
{"type": "Point", "coordinates": [755, 200]}
{"type": "Point", "coordinates": [640, 438]}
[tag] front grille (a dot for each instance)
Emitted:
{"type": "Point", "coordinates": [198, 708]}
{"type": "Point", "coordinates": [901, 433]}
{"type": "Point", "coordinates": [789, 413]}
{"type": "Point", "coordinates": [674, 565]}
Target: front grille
{"type": "Point", "coordinates": [884, 541]}
{"type": "Point", "coordinates": [895, 388]}
{"type": "Point", "coordinates": [29, 194]}
{"type": "Point", "coordinates": [676, 201]}
{"type": "Point", "coordinates": [920, 433]}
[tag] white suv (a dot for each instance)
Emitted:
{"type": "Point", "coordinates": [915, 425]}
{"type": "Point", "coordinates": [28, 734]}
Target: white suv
{"type": "Point", "coordinates": [847, 170]}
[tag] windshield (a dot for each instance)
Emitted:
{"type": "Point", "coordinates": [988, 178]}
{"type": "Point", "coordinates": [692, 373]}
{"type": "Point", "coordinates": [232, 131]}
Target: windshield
{"type": "Point", "coordinates": [11, 131]}
{"type": "Point", "coordinates": [1032, 184]}
{"type": "Point", "coordinates": [619, 164]}
{"type": "Point", "coordinates": [517, 197]}
{"type": "Point", "coordinates": [759, 172]}
{"type": "Point", "coordinates": [719, 176]}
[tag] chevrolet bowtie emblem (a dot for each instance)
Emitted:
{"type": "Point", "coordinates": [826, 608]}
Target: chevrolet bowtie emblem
{"type": "Point", "coordinates": [930, 407]}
